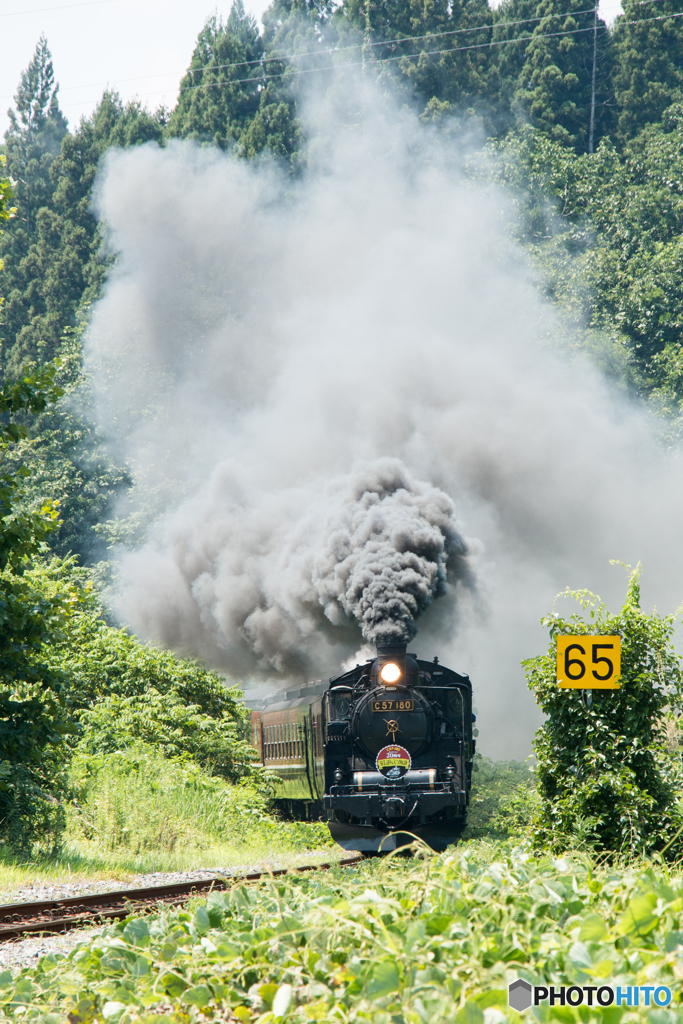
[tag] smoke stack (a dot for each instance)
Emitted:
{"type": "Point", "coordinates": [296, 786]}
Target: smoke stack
{"type": "Point", "coordinates": [390, 650]}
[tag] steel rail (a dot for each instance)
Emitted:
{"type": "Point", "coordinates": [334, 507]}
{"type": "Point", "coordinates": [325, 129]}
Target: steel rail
{"type": "Point", "coordinates": [19, 920]}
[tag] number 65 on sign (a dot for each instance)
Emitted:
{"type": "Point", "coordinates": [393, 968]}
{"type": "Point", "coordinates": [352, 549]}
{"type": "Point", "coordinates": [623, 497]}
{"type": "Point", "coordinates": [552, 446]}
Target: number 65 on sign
{"type": "Point", "coordinates": [589, 662]}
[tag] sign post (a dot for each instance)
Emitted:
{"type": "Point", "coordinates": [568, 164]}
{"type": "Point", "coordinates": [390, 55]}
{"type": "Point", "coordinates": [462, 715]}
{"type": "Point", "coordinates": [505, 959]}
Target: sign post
{"type": "Point", "coordinates": [589, 663]}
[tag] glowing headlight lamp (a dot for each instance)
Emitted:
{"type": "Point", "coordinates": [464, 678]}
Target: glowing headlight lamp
{"type": "Point", "coordinates": [390, 673]}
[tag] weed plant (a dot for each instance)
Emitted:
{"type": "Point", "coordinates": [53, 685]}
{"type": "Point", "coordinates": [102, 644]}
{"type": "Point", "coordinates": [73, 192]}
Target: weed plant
{"type": "Point", "coordinates": [503, 800]}
{"type": "Point", "coordinates": [138, 801]}
{"type": "Point", "coordinates": [393, 941]}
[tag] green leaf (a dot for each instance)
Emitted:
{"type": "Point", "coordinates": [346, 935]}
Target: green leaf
{"type": "Point", "coordinates": [140, 967]}
{"type": "Point", "coordinates": [199, 995]}
{"type": "Point", "coordinates": [593, 929]}
{"type": "Point", "coordinates": [639, 919]}
{"type": "Point", "coordinates": [496, 997]}
{"type": "Point", "coordinates": [267, 993]}
{"type": "Point", "coordinates": [437, 924]}
{"type": "Point", "coordinates": [471, 1013]}
{"type": "Point", "coordinates": [672, 941]}
{"type": "Point", "coordinates": [226, 952]}
{"type": "Point", "coordinates": [282, 1001]}
{"type": "Point", "coordinates": [563, 1014]}
{"type": "Point", "coordinates": [112, 1009]}
{"type": "Point", "coordinates": [202, 921]}
{"type": "Point", "coordinates": [173, 984]}
{"type": "Point", "coordinates": [137, 932]}
{"type": "Point", "coordinates": [384, 978]}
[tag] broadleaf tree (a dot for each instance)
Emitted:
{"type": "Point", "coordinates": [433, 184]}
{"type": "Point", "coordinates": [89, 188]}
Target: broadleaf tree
{"type": "Point", "coordinates": [610, 773]}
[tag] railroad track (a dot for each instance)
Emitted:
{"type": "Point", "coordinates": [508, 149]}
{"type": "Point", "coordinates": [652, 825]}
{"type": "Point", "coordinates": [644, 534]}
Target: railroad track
{"type": "Point", "coordinates": [19, 920]}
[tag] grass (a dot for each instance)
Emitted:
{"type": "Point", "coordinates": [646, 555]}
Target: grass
{"type": "Point", "coordinates": [137, 812]}
{"type": "Point", "coordinates": [431, 940]}
{"type": "Point", "coordinates": [503, 799]}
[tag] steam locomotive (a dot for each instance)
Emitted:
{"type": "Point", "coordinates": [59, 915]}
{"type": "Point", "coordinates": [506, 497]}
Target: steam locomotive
{"type": "Point", "coordinates": [384, 751]}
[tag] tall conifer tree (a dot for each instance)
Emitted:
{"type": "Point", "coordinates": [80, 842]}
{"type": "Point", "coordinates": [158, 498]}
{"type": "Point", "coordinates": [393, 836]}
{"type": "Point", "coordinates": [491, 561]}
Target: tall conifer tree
{"type": "Point", "coordinates": [556, 80]}
{"type": "Point", "coordinates": [226, 98]}
{"type": "Point", "coordinates": [648, 75]}
{"type": "Point", "coordinates": [33, 139]}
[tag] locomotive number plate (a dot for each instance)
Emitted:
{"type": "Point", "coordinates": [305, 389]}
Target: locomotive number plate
{"type": "Point", "coordinates": [393, 705]}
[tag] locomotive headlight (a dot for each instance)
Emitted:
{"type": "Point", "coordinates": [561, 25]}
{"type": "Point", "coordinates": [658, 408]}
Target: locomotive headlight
{"type": "Point", "coordinates": [390, 673]}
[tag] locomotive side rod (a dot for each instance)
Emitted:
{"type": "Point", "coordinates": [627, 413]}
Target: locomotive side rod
{"type": "Point", "coordinates": [18, 920]}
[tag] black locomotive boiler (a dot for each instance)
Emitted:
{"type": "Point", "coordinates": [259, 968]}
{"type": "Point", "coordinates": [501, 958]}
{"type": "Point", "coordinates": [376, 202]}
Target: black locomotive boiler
{"type": "Point", "coordinates": [382, 752]}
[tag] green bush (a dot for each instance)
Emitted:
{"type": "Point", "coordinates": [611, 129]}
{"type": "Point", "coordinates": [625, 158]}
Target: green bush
{"type": "Point", "coordinates": [606, 772]}
{"type": "Point", "coordinates": [503, 800]}
{"type": "Point", "coordinates": [33, 719]}
{"type": "Point", "coordinates": [138, 800]}
{"type": "Point", "coordinates": [171, 726]}
{"type": "Point", "coordinates": [118, 690]}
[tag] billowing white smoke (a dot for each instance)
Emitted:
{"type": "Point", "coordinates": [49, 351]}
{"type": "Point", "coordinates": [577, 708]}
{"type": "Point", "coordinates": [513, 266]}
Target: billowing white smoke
{"type": "Point", "coordinates": [308, 376]}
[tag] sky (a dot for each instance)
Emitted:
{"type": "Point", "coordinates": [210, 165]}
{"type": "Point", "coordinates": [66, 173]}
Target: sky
{"type": "Point", "coordinates": [139, 47]}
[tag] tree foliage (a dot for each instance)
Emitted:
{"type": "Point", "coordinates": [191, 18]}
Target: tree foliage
{"type": "Point", "coordinates": [167, 723]}
{"type": "Point", "coordinates": [555, 82]}
{"type": "Point", "coordinates": [52, 250]}
{"type": "Point", "coordinates": [32, 718]}
{"type": "Point", "coordinates": [229, 97]}
{"type": "Point", "coordinates": [648, 72]}
{"type": "Point", "coordinates": [607, 772]}
{"type": "Point", "coordinates": [123, 691]}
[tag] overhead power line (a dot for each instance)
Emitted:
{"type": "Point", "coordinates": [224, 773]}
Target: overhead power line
{"type": "Point", "coordinates": [316, 53]}
{"type": "Point", "coordinates": [405, 39]}
{"type": "Point", "coordinates": [408, 39]}
{"type": "Point", "coordinates": [418, 53]}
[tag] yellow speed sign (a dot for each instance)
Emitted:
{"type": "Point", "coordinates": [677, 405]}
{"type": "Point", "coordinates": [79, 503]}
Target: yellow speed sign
{"type": "Point", "coordinates": [589, 662]}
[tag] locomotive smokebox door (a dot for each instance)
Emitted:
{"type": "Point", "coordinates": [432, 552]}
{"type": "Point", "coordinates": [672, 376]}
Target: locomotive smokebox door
{"type": "Point", "coordinates": [384, 717]}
